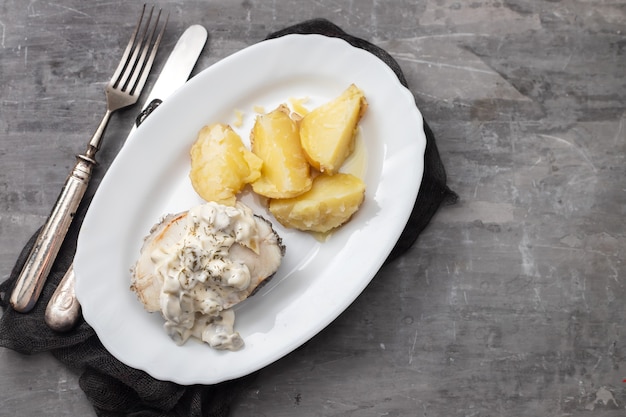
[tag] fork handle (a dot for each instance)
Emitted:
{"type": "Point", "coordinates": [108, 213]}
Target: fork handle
{"type": "Point", "coordinates": [39, 262]}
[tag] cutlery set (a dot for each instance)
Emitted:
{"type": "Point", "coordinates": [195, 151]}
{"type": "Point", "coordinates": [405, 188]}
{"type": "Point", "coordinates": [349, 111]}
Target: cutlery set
{"type": "Point", "coordinates": [122, 90]}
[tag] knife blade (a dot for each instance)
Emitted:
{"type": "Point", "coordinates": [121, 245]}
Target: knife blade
{"type": "Point", "coordinates": [63, 308]}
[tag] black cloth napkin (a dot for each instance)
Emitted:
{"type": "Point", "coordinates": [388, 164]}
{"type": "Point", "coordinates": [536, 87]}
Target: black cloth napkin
{"type": "Point", "coordinates": [115, 389]}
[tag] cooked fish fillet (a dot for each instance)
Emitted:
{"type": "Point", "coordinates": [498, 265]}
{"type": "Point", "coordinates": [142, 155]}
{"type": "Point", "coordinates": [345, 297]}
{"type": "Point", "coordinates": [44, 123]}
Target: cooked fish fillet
{"type": "Point", "coordinates": [194, 266]}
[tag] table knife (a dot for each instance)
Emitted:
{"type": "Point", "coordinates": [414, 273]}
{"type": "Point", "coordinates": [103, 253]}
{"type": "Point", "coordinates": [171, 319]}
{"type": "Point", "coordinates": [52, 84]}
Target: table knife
{"type": "Point", "coordinates": [63, 308]}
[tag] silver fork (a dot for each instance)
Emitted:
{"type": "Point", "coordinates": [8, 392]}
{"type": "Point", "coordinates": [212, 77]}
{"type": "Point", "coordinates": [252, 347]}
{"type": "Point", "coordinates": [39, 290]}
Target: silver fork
{"type": "Point", "coordinates": [121, 91]}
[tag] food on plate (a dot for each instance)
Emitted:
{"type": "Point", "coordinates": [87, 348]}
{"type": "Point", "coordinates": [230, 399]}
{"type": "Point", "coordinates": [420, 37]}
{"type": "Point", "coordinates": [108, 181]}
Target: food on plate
{"type": "Point", "coordinates": [238, 118]}
{"type": "Point", "coordinates": [221, 165]}
{"type": "Point", "coordinates": [275, 140]}
{"type": "Point", "coordinates": [298, 105]}
{"type": "Point", "coordinates": [330, 202]}
{"type": "Point", "coordinates": [195, 266]}
{"type": "Point", "coordinates": [293, 155]}
{"type": "Point", "coordinates": [327, 132]}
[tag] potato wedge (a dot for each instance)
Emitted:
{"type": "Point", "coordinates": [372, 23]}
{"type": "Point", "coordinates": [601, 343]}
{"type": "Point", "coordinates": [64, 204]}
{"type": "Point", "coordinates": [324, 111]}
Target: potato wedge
{"type": "Point", "coordinates": [221, 165]}
{"type": "Point", "coordinates": [275, 140]}
{"type": "Point", "coordinates": [330, 202]}
{"type": "Point", "coordinates": [327, 132]}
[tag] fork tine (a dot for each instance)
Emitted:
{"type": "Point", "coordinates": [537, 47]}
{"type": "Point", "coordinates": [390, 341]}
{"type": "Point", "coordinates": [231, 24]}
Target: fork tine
{"type": "Point", "coordinates": [146, 71]}
{"type": "Point", "coordinates": [115, 79]}
{"type": "Point", "coordinates": [143, 65]}
{"type": "Point", "coordinates": [134, 60]}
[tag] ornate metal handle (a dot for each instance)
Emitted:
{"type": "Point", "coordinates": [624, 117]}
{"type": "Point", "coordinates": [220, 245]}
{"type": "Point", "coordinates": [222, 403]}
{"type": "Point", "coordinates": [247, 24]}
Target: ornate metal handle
{"type": "Point", "coordinates": [39, 262]}
{"type": "Point", "coordinates": [63, 309]}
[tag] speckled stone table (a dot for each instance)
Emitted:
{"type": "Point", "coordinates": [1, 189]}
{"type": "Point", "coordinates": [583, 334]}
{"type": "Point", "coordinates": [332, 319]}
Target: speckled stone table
{"type": "Point", "coordinates": [511, 303]}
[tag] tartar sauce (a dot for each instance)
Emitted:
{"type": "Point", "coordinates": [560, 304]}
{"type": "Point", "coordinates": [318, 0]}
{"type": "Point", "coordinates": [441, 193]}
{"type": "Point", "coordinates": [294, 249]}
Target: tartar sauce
{"type": "Point", "coordinates": [200, 279]}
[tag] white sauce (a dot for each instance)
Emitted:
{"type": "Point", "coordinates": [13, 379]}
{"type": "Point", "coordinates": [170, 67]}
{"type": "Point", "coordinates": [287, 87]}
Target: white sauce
{"type": "Point", "coordinates": [199, 277]}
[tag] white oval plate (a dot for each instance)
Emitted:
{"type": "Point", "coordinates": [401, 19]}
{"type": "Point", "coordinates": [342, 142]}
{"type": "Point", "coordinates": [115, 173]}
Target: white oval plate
{"type": "Point", "coordinates": [316, 280]}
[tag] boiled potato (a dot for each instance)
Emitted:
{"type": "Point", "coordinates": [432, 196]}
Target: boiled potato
{"type": "Point", "coordinates": [330, 202]}
{"type": "Point", "coordinates": [275, 140]}
{"type": "Point", "coordinates": [327, 132]}
{"type": "Point", "coordinates": [221, 165]}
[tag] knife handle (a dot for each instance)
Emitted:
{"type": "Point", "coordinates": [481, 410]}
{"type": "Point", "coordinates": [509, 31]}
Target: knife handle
{"type": "Point", "coordinates": [63, 308]}
{"type": "Point", "coordinates": [41, 257]}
